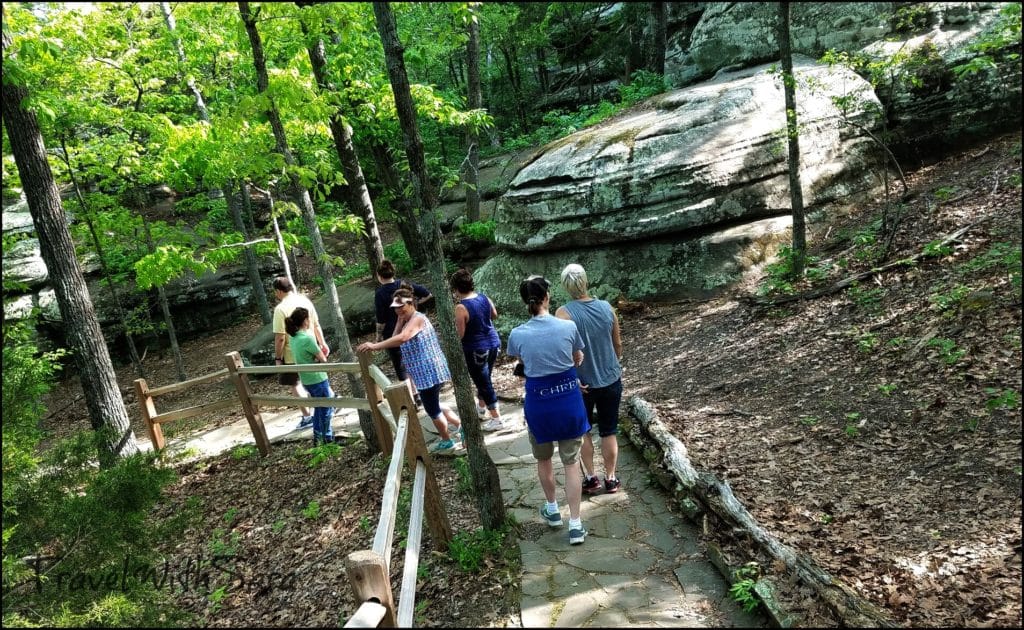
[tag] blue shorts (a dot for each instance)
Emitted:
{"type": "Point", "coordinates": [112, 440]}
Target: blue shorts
{"type": "Point", "coordinates": [605, 400]}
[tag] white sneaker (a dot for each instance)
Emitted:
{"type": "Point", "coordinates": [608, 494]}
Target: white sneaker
{"type": "Point", "coordinates": [481, 411]}
{"type": "Point", "coordinates": [494, 424]}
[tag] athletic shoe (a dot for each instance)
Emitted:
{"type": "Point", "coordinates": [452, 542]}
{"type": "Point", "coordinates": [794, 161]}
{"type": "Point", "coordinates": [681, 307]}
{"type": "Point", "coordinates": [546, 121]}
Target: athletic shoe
{"type": "Point", "coordinates": [611, 486]}
{"type": "Point", "coordinates": [576, 536]}
{"type": "Point", "coordinates": [442, 447]}
{"type": "Point", "coordinates": [494, 424]}
{"type": "Point", "coordinates": [553, 519]}
{"type": "Point", "coordinates": [592, 485]}
{"type": "Point", "coordinates": [305, 422]}
{"type": "Point", "coordinates": [481, 411]}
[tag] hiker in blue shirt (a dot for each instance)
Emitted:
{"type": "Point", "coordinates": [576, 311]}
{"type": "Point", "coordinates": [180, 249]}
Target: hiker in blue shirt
{"type": "Point", "coordinates": [550, 349]}
{"type": "Point", "coordinates": [600, 374]}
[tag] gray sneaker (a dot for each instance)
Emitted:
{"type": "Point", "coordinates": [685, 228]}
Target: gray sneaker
{"type": "Point", "coordinates": [576, 536]}
{"type": "Point", "coordinates": [553, 519]}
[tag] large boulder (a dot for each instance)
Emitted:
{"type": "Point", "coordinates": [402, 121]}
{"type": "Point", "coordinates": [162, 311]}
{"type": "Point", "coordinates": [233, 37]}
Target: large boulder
{"type": "Point", "coordinates": [23, 264]}
{"type": "Point", "coordinates": [669, 200]}
{"type": "Point", "coordinates": [701, 156]}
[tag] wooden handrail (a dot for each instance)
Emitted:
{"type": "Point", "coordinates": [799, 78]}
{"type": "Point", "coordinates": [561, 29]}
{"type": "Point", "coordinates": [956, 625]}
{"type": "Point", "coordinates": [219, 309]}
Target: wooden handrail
{"type": "Point", "coordinates": [349, 368]}
{"type": "Point", "coordinates": [199, 380]}
{"type": "Point", "coordinates": [367, 574]}
{"type": "Point", "coordinates": [379, 376]}
{"type": "Point", "coordinates": [407, 594]}
{"type": "Point", "coordinates": [385, 534]}
{"type": "Point", "coordinates": [295, 401]}
{"type": "Point", "coordinates": [369, 615]}
{"type": "Point", "coordinates": [188, 412]}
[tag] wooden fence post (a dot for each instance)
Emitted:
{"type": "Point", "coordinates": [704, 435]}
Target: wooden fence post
{"type": "Point", "coordinates": [416, 449]}
{"type": "Point", "coordinates": [368, 574]}
{"type": "Point", "coordinates": [148, 410]}
{"type": "Point", "coordinates": [259, 432]}
{"type": "Point", "coordinates": [374, 395]}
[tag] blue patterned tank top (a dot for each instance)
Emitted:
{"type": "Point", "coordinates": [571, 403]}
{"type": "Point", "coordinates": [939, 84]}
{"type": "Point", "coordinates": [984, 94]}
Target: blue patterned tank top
{"type": "Point", "coordinates": [423, 359]}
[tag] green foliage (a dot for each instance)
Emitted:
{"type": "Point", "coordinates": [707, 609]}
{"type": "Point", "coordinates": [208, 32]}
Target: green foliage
{"type": "Point", "coordinates": [1005, 399]}
{"type": "Point", "coordinates": [868, 342]}
{"type": "Point", "coordinates": [469, 549]}
{"type": "Point", "coordinates": [278, 526]}
{"type": "Point", "coordinates": [224, 543]}
{"type": "Point", "coordinates": [887, 388]}
{"type": "Point", "coordinates": [937, 249]}
{"type": "Point", "coordinates": [1000, 254]}
{"type": "Point", "coordinates": [365, 525]}
{"type": "Point", "coordinates": [945, 193]}
{"type": "Point", "coordinates": [243, 451]}
{"type": "Point", "coordinates": [352, 272]}
{"type": "Point", "coordinates": [867, 299]}
{"type": "Point", "coordinates": [948, 351]}
{"type": "Point", "coordinates": [742, 589]}
{"type": "Point", "coordinates": [312, 510]}
{"type": "Point", "coordinates": [559, 123]}
{"type": "Point", "coordinates": [399, 255]}
{"type": "Point", "coordinates": [642, 86]}
{"type": "Point", "coordinates": [479, 231]}
{"type": "Point", "coordinates": [83, 520]}
{"type": "Point", "coordinates": [945, 300]}
{"type": "Point", "coordinates": [780, 275]}
{"type": "Point", "coordinates": [321, 453]}
{"type": "Point", "coordinates": [851, 429]}
{"type": "Point", "coordinates": [998, 44]}
{"type": "Point", "coordinates": [465, 483]}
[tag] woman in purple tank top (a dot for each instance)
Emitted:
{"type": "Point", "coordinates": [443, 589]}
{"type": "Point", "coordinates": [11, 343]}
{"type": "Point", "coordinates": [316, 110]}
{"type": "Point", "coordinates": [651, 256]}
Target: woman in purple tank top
{"type": "Point", "coordinates": [474, 321]}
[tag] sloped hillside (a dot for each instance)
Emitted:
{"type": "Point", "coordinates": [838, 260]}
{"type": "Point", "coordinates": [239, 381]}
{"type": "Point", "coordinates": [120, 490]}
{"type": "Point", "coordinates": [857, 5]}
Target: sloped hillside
{"type": "Point", "coordinates": [876, 427]}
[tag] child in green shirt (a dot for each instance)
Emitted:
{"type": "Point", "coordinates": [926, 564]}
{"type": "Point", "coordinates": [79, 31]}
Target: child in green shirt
{"type": "Point", "coordinates": [306, 350]}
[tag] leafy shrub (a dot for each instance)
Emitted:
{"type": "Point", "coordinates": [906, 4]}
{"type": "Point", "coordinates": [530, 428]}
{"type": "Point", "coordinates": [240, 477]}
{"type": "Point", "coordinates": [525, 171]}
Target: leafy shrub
{"type": "Point", "coordinates": [79, 520]}
{"type": "Point", "coordinates": [468, 550]}
{"type": "Point", "coordinates": [642, 85]}
{"type": "Point", "coordinates": [479, 230]}
{"type": "Point", "coordinates": [399, 255]}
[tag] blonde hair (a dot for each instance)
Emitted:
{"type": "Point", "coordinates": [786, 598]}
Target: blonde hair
{"type": "Point", "coordinates": [574, 279]}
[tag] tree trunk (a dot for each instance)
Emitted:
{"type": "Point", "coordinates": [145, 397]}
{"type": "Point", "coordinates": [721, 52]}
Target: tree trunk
{"type": "Point", "coordinates": [486, 485]}
{"type": "Point", "coordinates": [656, 60]}
{"type": "Point", "coordinates": [115, 295]}
{"type": "Point", "coordinates": [165, 308]}
{"type": "Point", "coordinates": [795, 191]}
{"type": "Point", "coordinates": [189, 81]}
{"type": "Point", "coordinates": [107, 414]}
{"type": "Point", "coordinates": [405, 217]}
{"type": "Point", "coordinates": [252, 267]}
{"type": "Point", "coordinates": [514, 83]}
{"type": "Point", "coordinates": [359, 202]}
{"type": "Point", "coordinates": [542, 70]}
{"type": "Point", "coordinates": [475, 101]}
{"type": "Point", "coordinates": [335, 316]}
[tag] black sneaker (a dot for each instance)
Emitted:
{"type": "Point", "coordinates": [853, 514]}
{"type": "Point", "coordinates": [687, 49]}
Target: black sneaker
{"type": "Point", "coordinates": [611, 486]}
{"type": "Point", "coordinates": [591, 485]}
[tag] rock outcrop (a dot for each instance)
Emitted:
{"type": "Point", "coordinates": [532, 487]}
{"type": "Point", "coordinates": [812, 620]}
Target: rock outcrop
{"type": "Point", "coordinates": [665, 200]}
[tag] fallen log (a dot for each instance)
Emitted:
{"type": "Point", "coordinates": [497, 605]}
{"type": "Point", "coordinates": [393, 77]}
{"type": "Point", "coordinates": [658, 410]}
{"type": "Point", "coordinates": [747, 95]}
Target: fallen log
{"type": "Point", "coordinates": [715, 497]}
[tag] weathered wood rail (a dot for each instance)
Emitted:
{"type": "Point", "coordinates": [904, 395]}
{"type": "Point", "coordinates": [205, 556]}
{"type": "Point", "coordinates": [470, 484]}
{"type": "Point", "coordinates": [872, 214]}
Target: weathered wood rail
{"type": "Point", "coordinates": [398, 432]}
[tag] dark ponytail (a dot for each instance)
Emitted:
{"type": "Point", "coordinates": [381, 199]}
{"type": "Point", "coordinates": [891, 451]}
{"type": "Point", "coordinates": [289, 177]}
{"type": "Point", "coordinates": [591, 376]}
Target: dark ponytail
{"type": "Point", "coordinates": [293, 323]}
{"type": "Point", "coordinates": [533, 290]}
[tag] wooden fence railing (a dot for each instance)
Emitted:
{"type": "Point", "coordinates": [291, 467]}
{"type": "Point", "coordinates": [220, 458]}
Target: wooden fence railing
{"type": "Point", "coordinates": [398, 432]}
